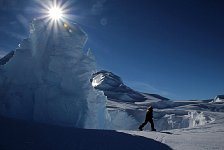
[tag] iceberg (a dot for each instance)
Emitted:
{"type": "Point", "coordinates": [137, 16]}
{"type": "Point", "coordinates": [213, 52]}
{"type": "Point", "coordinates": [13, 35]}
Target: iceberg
{"type": "Point", "coordinates": [114, 88]}
{"type": "Point", "coordinates": [48, 79]}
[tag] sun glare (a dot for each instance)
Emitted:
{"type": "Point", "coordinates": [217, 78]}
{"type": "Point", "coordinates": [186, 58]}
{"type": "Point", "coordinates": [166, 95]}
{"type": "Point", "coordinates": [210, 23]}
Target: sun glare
{"type": "Point", "coordinates": [55, 13]}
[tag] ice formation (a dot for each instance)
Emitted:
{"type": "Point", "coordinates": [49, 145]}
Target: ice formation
{"type": "Point", "coordinates": [181, 119]}
{"type": "Point", "coordinates": [114, 88]}
{"type": "Point", "coordinates": [47, 79]}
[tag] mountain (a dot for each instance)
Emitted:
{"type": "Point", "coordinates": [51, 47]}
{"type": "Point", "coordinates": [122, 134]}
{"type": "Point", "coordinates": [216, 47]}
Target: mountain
{"type": "Point", "coordinates": [114, 88]}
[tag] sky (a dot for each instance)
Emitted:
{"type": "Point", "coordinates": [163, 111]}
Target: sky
{"type": "Point", "coordinates": [173, 48]}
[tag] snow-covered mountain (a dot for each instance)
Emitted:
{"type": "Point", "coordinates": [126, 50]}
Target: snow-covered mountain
{"type": "Point", "coordinates": [114, 88]}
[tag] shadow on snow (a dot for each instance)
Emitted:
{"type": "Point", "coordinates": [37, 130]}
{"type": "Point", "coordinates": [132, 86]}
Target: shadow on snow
{"type": "Point", "coordinates": [22, 135]}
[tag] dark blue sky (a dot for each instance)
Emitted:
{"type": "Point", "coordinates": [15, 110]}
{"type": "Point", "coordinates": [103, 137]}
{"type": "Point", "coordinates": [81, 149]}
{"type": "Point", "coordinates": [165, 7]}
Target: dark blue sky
{"type": "Point", "coordinates": [173, 48]}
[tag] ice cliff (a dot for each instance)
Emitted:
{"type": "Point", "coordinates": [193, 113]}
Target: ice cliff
{"type": "Point", "coordinates": [47, 79]}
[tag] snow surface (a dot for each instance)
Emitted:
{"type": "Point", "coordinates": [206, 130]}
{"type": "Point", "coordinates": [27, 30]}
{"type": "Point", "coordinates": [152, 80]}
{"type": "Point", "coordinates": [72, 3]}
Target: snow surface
{"type": "Point", "coordinates": [16, 134]}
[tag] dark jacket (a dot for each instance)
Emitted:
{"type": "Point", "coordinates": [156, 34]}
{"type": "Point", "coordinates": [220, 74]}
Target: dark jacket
{"type": "Point", "coordinates": [149, 115]}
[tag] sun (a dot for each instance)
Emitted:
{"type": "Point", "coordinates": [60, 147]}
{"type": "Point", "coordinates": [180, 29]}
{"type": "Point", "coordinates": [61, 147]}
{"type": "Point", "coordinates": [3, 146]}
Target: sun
{"type": "Point", "coordinates": [55, 13]}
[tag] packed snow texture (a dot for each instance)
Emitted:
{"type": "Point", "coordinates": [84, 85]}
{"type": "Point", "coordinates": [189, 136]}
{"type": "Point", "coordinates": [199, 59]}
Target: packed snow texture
{"type": "Point", "coordinates": [47, 79]}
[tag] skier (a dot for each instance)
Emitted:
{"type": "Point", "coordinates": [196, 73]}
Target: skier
{"type": "Point", "coordinates": [148, 118]}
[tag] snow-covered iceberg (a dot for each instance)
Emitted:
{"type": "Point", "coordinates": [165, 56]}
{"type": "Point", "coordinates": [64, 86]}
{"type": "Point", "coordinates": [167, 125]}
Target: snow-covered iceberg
{"type": "Point", "coordinates": [47, 79]}
{"type": "Point", "coordinates": [114, 88]}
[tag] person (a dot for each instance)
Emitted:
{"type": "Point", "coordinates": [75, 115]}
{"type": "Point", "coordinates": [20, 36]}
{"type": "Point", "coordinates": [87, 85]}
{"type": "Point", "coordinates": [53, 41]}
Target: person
{"type": "Point", "coordinates": [148, 118]}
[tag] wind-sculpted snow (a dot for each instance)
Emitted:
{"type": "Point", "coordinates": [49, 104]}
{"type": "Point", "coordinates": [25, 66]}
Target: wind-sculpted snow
{"type": "Point", "coordinates": [47, 79]}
